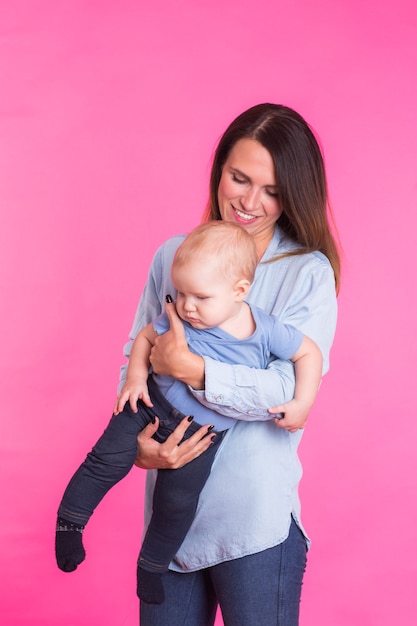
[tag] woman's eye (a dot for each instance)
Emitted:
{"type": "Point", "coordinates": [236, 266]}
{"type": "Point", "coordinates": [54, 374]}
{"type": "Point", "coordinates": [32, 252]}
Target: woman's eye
{"type": "Point", "coordinates": [272, 194]}
{"type": "Point", "coordinates": [235, 179]}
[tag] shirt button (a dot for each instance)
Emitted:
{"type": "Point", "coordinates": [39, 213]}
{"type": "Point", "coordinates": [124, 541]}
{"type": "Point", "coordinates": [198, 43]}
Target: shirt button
{"type": "Point", "coordinates": [219, 398]}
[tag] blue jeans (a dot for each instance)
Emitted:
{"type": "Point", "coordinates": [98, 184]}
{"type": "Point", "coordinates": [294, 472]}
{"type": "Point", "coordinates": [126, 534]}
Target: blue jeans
{"type": "Point", "coordinates": [262, 589]}
{"type": "Point", "coordinates": [176, 491]}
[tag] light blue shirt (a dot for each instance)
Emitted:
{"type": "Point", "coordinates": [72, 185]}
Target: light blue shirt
{"type": "Point", "coordinates": [271, 337]}
{"type": "Point", "coordinates": [252, 491]}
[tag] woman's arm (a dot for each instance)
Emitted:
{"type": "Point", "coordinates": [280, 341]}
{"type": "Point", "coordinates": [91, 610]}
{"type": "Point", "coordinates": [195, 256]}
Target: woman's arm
{"type": "Point", "coordinates": [306, 300]}
{"type": "Point", "coordinates": [151, 302]}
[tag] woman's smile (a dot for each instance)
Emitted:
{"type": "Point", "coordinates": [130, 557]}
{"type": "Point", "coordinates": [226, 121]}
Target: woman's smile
{"type": "Point", "coordinates": [240, 215]}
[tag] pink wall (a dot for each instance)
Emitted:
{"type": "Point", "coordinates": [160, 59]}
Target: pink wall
{"type": "Point", "coordinates": [109, 112]}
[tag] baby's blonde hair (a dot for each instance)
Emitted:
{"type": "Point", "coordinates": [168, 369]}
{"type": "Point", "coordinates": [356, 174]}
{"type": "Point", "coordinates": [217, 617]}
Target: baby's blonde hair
{"type": "Point", "coordinates": [224, 242]}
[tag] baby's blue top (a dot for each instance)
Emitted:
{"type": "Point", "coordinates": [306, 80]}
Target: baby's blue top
{"type": "Point", "coordinates": [252, 491]}
{"type": "Point", "coordinates": [271, 337]}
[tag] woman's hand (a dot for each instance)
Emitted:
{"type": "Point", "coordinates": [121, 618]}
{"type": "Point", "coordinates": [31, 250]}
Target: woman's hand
{"type": "Point", "coordinates": [171, 454]}
{"type": "Point", "coordinates": [170, 355]}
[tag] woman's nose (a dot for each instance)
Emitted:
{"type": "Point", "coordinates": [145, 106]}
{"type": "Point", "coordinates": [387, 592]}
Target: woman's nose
{"type": "Point", "coordinates": [250, 200]}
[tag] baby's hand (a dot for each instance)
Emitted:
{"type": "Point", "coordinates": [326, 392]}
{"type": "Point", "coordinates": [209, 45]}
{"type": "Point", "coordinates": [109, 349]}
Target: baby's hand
{"type": "Point", "coordinates": [294, 415]}
{"type": "Point", "coordinates": [133, 391]}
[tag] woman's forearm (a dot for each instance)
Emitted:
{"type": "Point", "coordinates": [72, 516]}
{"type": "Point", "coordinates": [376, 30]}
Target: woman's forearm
{"type": "Point", "coordinates": [190, 369]}
{"type": "Point", "coordinates": [243, 392]}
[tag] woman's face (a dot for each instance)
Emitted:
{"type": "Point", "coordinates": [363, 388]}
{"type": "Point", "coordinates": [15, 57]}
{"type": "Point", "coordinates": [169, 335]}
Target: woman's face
{"type": "Point", "coordinates": [248, 193]}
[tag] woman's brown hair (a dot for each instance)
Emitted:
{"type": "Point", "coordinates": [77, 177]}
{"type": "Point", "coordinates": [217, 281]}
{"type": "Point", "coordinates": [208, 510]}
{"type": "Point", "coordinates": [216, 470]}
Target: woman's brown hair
{"type": "Point", "coordinates": [299, 172]}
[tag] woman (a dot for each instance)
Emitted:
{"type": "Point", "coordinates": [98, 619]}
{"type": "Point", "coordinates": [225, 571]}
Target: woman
{"type": "Point", "coordinates": [246, 549]}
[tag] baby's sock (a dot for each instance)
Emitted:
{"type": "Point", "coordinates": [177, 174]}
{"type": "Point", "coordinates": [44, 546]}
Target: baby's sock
{"type": "Point", "coordinates": [150, 588]}
{"type": "Point", "coordinates": [69, 549]}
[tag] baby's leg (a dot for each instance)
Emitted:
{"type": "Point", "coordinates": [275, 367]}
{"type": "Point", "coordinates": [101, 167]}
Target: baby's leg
{"type": "Point", "coordinates": [175, 502]}
{"type": "Point", "coordinates": [108, 462]}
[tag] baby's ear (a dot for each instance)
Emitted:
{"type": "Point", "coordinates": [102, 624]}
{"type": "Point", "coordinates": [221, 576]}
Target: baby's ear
{"type": "Point", "coordinates": [241, 289]}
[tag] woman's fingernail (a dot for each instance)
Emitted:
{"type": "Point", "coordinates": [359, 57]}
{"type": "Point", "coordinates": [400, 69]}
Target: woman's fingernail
{"type": "Point", "coordinates": [153, 419]}
{"type": "Point", "coordinates": [210, 428]}
{"type": "Point", "coordinates": [190, 418]}
{"type": "Point", "coordinates": [168, 299]}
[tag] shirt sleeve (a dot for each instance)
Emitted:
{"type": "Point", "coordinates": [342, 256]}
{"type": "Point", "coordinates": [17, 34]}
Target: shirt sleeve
{"type": "Point", "coordinates": [151, 303]}
{"type": "Point", "coordinates": [285, 339]}
{"type": "Point", "coordinates": [246, 393]}
{"type": "Point", "coordinates": [161, 324]}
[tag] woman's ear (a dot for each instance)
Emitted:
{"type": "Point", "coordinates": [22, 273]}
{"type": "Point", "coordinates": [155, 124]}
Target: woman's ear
{"type": "Point", "coordinates": [241, 289]}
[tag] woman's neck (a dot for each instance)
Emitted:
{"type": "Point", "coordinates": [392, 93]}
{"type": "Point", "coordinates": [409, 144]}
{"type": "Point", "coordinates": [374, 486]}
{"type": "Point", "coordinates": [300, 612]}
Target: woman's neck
{"type": "Point", "coordinates": [262, 242]}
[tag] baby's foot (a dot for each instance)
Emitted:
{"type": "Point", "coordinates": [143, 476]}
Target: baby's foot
{"type": "Point", "coordinates": [69, 549]}
{"type": "Point", "coordinates": [150, 588]}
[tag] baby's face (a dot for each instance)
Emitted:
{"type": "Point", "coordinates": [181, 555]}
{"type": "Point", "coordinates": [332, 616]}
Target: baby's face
{"type": "Point", "coordinates": [206, 297]}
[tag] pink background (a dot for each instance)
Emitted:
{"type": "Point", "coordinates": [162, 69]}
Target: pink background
{"type": "Point", "coordinates": [109, 113]}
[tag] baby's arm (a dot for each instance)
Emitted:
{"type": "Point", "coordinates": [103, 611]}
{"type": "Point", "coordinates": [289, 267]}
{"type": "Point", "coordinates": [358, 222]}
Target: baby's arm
{"type": "Point", "coordinates": [135, 387]}
{"type": "Point", "coordinates": [308, 363]}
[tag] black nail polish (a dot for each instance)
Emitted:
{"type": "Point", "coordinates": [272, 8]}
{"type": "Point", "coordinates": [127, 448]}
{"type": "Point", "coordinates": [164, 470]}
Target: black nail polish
{"type": "Point", "coordinates": [210, 428]}
{"type": "Point", "coordinates": [168, 299]}
{"type": "Point", "coordinates": [190, 418]}
{"type": "Point", "coordinates": [153, 419]}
